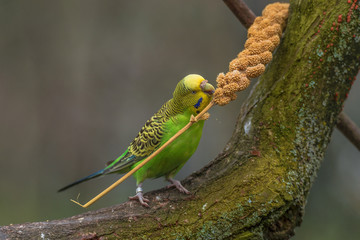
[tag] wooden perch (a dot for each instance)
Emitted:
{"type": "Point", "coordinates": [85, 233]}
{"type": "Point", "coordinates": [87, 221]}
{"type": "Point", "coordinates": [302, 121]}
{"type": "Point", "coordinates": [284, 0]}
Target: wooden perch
{"type": "Point", "coordinates": [257, 187]}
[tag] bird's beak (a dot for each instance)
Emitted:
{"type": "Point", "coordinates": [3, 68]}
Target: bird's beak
{"type": "Point", "coordinates": [207, 87]}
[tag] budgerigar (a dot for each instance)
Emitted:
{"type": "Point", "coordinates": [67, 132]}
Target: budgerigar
{"type": "Point", "coordinates": [192, 94]}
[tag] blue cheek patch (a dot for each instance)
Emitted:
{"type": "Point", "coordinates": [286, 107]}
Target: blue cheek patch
{"type": "Point", "coordinates": [197, 105]}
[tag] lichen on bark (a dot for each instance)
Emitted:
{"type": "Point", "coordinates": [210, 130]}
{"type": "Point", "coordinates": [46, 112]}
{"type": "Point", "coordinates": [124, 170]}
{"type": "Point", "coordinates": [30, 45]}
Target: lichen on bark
{"type": "Point", "coordinates": [257, 187]}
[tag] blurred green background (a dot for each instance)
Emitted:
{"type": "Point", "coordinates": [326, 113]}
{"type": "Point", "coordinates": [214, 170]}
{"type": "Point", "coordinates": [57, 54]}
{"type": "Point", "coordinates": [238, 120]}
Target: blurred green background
{"type": "Point", "coordinates": [78, 79]}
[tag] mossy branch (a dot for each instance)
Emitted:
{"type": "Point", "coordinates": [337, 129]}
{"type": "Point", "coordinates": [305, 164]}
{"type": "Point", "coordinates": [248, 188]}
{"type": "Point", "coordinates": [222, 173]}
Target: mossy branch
{"type": "Point", "coordinates": [257, 187]}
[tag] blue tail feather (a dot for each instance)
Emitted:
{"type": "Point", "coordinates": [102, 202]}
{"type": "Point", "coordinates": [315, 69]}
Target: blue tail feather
{"type": "Point", "coordinates": [91, 176]}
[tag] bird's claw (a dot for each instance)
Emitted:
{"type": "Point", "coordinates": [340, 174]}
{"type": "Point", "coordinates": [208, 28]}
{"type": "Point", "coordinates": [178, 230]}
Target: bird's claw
{"type": "Point", "coordinates": [139, 196]}
{"type": "Point", "coordinates": [177, 184]}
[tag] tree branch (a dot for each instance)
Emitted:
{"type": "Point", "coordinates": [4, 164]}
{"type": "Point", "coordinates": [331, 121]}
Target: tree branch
{"type": "Point", "coordinates": [241, 11]}
{"type": "Point", "coordinates": [349, 129]}
{"type": "Point", "coordinates": [257, 187]}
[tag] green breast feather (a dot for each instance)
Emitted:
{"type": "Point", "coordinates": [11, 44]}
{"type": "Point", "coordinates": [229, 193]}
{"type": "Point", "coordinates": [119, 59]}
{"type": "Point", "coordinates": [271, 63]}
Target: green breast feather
{"type": "Point", "coordinates": [168, 162]}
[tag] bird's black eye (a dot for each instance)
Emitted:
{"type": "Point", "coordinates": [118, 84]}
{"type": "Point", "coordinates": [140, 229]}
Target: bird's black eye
{"type": "Point", "coordinates": [193, 92]}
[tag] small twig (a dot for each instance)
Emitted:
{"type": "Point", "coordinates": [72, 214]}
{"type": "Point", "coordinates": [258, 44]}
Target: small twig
{"type": "Point", "coordinates": [349, 129]}
{"type": "Point", "coordinates": [241, 11]}
{"type": "Point", "coordinates": [191, 122]}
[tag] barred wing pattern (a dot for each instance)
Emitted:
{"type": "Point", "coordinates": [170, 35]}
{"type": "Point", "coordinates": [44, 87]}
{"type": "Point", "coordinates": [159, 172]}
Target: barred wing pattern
{"type": "Point", "coordinates": [146, 142]}
{"type": "Point", "coordinates": [150, 135]}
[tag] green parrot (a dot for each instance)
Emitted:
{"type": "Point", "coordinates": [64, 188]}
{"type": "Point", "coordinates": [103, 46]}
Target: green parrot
{"type": "Point", "coordinates": [192, 94]}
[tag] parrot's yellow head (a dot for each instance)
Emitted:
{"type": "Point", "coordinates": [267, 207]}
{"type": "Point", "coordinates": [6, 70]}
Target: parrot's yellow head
{"type": "Point", "coordinates": [194, 93]}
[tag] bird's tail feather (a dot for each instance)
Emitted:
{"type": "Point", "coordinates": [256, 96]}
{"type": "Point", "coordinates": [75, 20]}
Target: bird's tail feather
{"type": "Point", "coordinates": [91, 176]}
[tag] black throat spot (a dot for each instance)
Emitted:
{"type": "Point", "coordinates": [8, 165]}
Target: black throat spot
{"type": "Point", "coordinates": [197, 105]}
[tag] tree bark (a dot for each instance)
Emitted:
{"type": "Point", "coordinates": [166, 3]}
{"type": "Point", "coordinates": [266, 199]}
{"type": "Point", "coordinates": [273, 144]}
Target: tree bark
{"type": "Point", "coordinates": [257, 187]}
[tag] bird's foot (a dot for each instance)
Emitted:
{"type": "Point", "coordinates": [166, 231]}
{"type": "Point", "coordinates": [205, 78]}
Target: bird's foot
{"type": "Point", "coordinates": [177, 184]}
{"type": "Point", "coordinates": [139, 196]}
